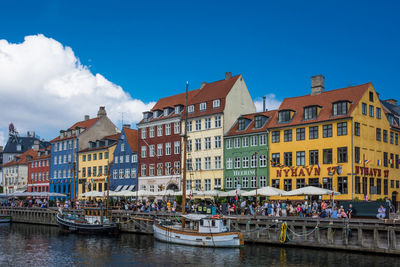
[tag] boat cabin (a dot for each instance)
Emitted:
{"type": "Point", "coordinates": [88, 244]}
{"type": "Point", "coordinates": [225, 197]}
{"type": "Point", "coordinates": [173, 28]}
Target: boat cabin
{"type": "Point", "coordinates": [212, 226]}
{"type": "Point", "coordinates": [97, 215]}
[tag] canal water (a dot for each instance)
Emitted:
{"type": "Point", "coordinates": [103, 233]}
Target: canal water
{"type": "Point", "coordinates": [34, 245]}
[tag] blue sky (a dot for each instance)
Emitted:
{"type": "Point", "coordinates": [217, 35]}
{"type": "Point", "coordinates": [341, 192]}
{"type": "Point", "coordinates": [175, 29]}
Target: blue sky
{"type": "Point", "coordinates": [150, 48]}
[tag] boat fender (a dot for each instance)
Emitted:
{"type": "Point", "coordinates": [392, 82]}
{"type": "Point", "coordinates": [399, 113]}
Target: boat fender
{"type": "Point", "coordinates": [215, 217]}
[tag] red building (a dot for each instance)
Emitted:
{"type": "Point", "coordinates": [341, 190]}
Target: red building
{"type": "Point", "coordinates": [39, 171]}
{"type": "Point", "coordinates": [160, 144]}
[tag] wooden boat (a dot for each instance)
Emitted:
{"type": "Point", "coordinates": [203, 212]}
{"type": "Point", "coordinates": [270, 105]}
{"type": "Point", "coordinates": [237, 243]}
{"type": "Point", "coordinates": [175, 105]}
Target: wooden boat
{"type": "Point", "coordinates": [204, 231]}
{"type": "Point", "coordinates": [94, 220]}
{"type": "Point", "coordinates": [5, 218]}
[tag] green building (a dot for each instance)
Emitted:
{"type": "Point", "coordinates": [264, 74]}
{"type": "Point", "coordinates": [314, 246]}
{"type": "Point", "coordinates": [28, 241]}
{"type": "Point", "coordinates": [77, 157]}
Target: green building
{"type": "Point", "coordinates": [246, 152]}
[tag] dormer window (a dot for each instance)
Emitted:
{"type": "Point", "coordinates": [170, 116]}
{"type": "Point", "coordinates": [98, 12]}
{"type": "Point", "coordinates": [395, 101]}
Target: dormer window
{"type": "Point", "coordinates": [177, 109]}
{"type": "Point", "coordinates": [157, 113]}
{"type": "Point", "coordinates": [310, 113]}
{"type": "Point", "coordinates": [339, 108]}
{"type": "Point", "coordinates": [203, 106]}
{"type": "Point", "coordinates": [19, 148]}
{"type": "Point", "coordinates": [216, 103]}
{"type": "Point", "coordinates": [284, 116]}
{"type": "Point", "coordinates": [166, 112]}
{"type": "Point", "coordinates": [242, 124]}
{"type": "Point", "coordinates": [191, 108]}
{"type": "Point", "coordinates": [258, 122]}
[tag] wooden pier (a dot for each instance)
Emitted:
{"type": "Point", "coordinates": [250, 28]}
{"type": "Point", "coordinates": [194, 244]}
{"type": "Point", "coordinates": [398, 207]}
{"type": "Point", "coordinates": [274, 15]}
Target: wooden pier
{"type": "Point", "coordinates": [363, 235]}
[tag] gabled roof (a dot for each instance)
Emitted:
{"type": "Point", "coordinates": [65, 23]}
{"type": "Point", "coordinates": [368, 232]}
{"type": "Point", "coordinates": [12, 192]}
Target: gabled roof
{"type": "Point", "coordinates": [210, 92]}
{"type": "Point", "coordinates": [25, 142]}
{"type": "Point", "coordinates": [44, 156]}
{"type": "Point", "coordinates": [113, 137]}
{"type": "Point", "coordinates": [85, 124]}
{"type": "Point", "coordinates": [352, 94]}
{"type": "Point", "coordinates": [250, 128]}
{"type": "Point", "coordinates": [132, 138]}
{"type": "Point", "coordinates": [21, 159]}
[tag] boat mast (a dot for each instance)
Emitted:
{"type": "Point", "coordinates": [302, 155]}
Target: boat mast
{"type": "Point", "coordinates": [108, 189]}
{"type": "Point", "coordinates": [184, 159]}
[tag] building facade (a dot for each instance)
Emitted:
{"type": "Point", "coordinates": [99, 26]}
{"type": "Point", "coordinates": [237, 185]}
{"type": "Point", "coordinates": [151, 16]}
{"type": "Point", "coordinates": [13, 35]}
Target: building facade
{"type": "Point", "coordinates": [339, 139]}
{"type": "Point", "coordinates": [65, 147]}
{"type": "Point", "coordinates": [160, 144]}
{"type": "Point", "coordinates": [246, 152]}
{"type": "Point", "coordinates": [211, 113]}
{"type": "Point", "coordinates": [124, 169]}
{"type": "Point", "coordinates": [39, 171]}
{"type": "Point", "coordinates": [94, 164]}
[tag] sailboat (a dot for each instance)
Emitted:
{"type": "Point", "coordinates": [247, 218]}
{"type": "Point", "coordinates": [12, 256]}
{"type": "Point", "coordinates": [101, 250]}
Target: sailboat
{"type": "Point", "coordinates": [203, 230]}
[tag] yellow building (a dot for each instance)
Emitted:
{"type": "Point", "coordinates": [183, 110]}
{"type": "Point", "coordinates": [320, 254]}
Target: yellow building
{"type": "Point", "coordinates": [345, 140]}
{"type": "Point", "coordinates": [211, 113]}
{"type": "Point", "coordinates": [94, 164]}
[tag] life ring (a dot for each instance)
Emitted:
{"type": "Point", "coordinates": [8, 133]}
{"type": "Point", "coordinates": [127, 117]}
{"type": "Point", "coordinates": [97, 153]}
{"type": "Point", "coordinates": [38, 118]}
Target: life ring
{"type": "Point", "coordinates": [215, 217]}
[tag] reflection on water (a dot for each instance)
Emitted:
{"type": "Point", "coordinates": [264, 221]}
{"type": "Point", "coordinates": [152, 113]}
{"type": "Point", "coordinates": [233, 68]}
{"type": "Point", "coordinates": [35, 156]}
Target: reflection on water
{"type": "Point", "coordinates": [23, 245]}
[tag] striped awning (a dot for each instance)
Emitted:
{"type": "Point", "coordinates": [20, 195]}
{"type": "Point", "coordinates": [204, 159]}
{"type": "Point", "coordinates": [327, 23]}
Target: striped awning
{"type": "Point", "coordinates": [118, 188]}
{"type": "Point", "coordinates": [131, 187]}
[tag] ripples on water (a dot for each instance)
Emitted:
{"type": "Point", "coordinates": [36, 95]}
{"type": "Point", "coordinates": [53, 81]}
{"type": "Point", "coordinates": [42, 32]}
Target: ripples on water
{"type": "Point", "coordinates": [24, 245]}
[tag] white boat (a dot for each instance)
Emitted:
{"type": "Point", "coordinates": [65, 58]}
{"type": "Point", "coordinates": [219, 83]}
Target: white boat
{"type": "Point", "coordinates": [204, 231]}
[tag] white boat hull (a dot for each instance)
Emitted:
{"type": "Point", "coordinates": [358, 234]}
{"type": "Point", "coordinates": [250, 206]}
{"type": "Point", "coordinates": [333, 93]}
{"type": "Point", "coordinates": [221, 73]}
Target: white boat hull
{"type": "Point", "coordinates": [171, 235]}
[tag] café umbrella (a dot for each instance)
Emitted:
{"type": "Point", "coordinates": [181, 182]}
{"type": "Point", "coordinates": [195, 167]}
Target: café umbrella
{"type": "Point", "coordinates": [267, 191]}
{"type": "Point", "coordinates": [310, 191]}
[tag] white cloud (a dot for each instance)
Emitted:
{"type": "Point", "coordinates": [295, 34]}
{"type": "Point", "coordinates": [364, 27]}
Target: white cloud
{"type": "Point", "coordinates": [44, 88]}
{"type": "Point", "coordinates": [270, 102]}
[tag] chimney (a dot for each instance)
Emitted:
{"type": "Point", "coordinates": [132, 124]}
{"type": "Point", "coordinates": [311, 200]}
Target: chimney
{"type": "Point", "coordinates": [101, 112]}
{"type": "Point", "coordinates": [126, 126]}
{"type": "Point", "coordinates": [36, 145]}
{"type": "Point", "coordinates": [392, 101]}
{"type": "Point", "coordinates": [228, 75]}
{"type": "Point", "coordinates": [202, 85]}
{"type": "Point", "coordinates": [317, 84]}
{"type": "Point", "coordinates": [264, 97]}
{"type": "Point", "coordinates": [87, 117]}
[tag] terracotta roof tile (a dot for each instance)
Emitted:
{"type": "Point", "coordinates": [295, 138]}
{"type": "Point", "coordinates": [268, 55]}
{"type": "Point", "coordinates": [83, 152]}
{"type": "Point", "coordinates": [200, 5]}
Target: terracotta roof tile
{"type": "Point", "coordinates": [250, 128]}
{"type": "Point", "coordinates": [22, 159]}
{"type": "Point", "coordinates": [132, 138]}
{"type": "Point", "coordinates": [86, 124]}
{"type": "Point", "coordinates": [352, 94]}
{"type": "Point", "coordinates": [171, 101]}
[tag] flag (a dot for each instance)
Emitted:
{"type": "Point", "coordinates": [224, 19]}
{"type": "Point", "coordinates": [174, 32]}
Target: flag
{"type": "Point", "coordinates": [367, 161]}
{"type": "Point", "coordinates": [390, 161]}
{"type": "Point", "coordinates": [379, 162]}
{"type": "Point", "coordinates": [319, 167]}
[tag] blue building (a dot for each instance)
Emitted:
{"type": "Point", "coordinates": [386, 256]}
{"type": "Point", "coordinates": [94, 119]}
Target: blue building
{"type": "Point", "coordinates": [124, 169]}
{"type": "Point", "coordinates": [65, 147]}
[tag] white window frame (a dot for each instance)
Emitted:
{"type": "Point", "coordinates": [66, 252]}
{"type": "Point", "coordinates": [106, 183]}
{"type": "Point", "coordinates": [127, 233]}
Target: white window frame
{"type": "Point", "coordinates": [216, 103]}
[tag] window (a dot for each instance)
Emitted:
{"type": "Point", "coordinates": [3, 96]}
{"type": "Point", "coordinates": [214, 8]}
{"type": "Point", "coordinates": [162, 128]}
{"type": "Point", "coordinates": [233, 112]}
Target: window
{"type": "Point", "coordinates": [253, 140]}
{"type": "Point", "coordinates": [258, 122]}
{"type": "Point", "coordinates": [371, 96]}
{"type": "Point", "coordinates": [106, 155]}
{"type": "Point", "coordinates": [100, 156]}
{"type": "Point", "coordinates": [177, 109]}
{"type": "Point", "coordinates": [189, 145]}
{"type": "Point", "coordinates": [357, 154]}
{"type": "Point", "coordinates": [385, 187]}
{"type": "Point", "coordinates": [327, 130]}
{"type": "Point", "coordinates": [159, 130]}
{"type": "Point", "coordinates": [276, 159]}
{"type": "Point", "coordinates": [189, 165]}
{"type": "Point", "coordinates": [263, 181]}
{"type": "Point", "coordinates": [203, 106]}
{"type": "Point", "coordinates": [327, 154]}
{"type": "Point", "coordinates": [385, 136]}
{"type": "Point", "coordinates": [207, 143]}
{"type": "Point", "coordinates": [314, 157]}
{"type": "Point", "coordinates": [378, 134]}
{"type": "Point", "coordinates": [371, 111]}
{"type": "Point", "coordinates": [177, 128]}
{"type": "Point", "coordinates": [236, 142]}
{"type": "Point", "coordinates": [237, 163]}
{"type": "Point", "coordinates": [397, 161]}
{"type": "Point", "coordinates": [327, 183]}
{"type": "Point", "coordinates": [89, 157]}
{"type": "Point", "coordinates": [253, 182]}
{"type": "Point", "coordinates": [241, 124]}
{"type": "Point", "coordinates": [396, 138]}
{"type": "Point", "coordinates": [310, 113]}
{"type": "Point", "coordinates": [245, 142]}
{"type": "Point", "coordinates": [151, 170]}
{"type": "Point", "coordinates": [287, 158]}
{"type": "Point", "coordinates": [168, 129]}
{"type": "Point", "coordinates": [263, 140]}
{"type": "Point", "coordinates": [216, 103]}
{"type": "Point", "coordinates": [342, 185]}
{"type": "Point", "coordinates": [314, 182]}
{"type": "Point", "coordinates": [276, 136]}
{"type": "Point", "coordinates": [385, 159]}
{"type": "Point", "coordinates": [300, 134]}
{"type": "Point", "coordinates": [217, 162]}
{"type": "Point", "coordinates": [207, 184]}
{"type": "Point", "coordinates": [391, 137]}
{"type": "Point", "coordinates": [284, 116]}
{"type": "Point", "coordinates": [151, 151]}
{"type": "Point", "coordinates": [198, 125]}
{"type": "Point", "coordinates": [127, 158]}
{"type": "Point", "coordinates": [151, 132]}
{"type": "Point", "coordinates": [245, 182]}
{"type": "Point", "coordinates": [253, 162]}
{"type": "Point", "coordinates": [167, 148]}
{"type": "Point", "coordinates": [378, 113]}
{"type": "Point", "coordinates": [287, 136]}
{"type": "Point", "coordinates": [391, 160]}
{"type": "Point", "coordinates": [229, 163]}
{"type": "Point", "coordinates": [245, 162]}
{"type": "Point", "coordinates": [217, 121]}
{"type": "Point", "coordinates": [83, 157]}
{"type": "Point", "coordinates": [228, 143]}
{"type": "Point", "coordinates": [229, 182]}
{"type": "Point", "coordinates": [313, 132]}
{"type": "Point", "coordinates": [198, 144]}
{"type": "Point", "coordinates": [198, 164]}
{"type": "Point", "coordinates": [300, 158]}
{"type": "Point", "coordinates": [364, 109]}
{"type": "Point", "coordinates": [207, 123]}
{"type": "Point", "coordinates": [301, 182]}
{"type": "Point", "coordinates": [342, 154]}
{"type": "Point", "coordinates": [339, 108]}
{"type": "Point", "coordinates": [287, 184]}
{"type": "Point", "coordinates": [357, 129]}
{"type": "Point", "coordinates": [217, 182]}
{"type": "Point", "coordinates": [357, 187]}
{"type": "Point", "coordinates": [263, 161]}
{"type": "Point", "coordinates": [189, 126]}
{"type": "Point", "coordinates": [143, 152]}
{"type": "Point", "coordinates": [159, 150]}
{"type": "Point", "coordinates": [342, 128]}
{"type": "Point", "coordinates": [177, 147]}
{"type": "Point", "coordinates": [207, 163]}
{"type": "Point", "coordinates": [191, 109]}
